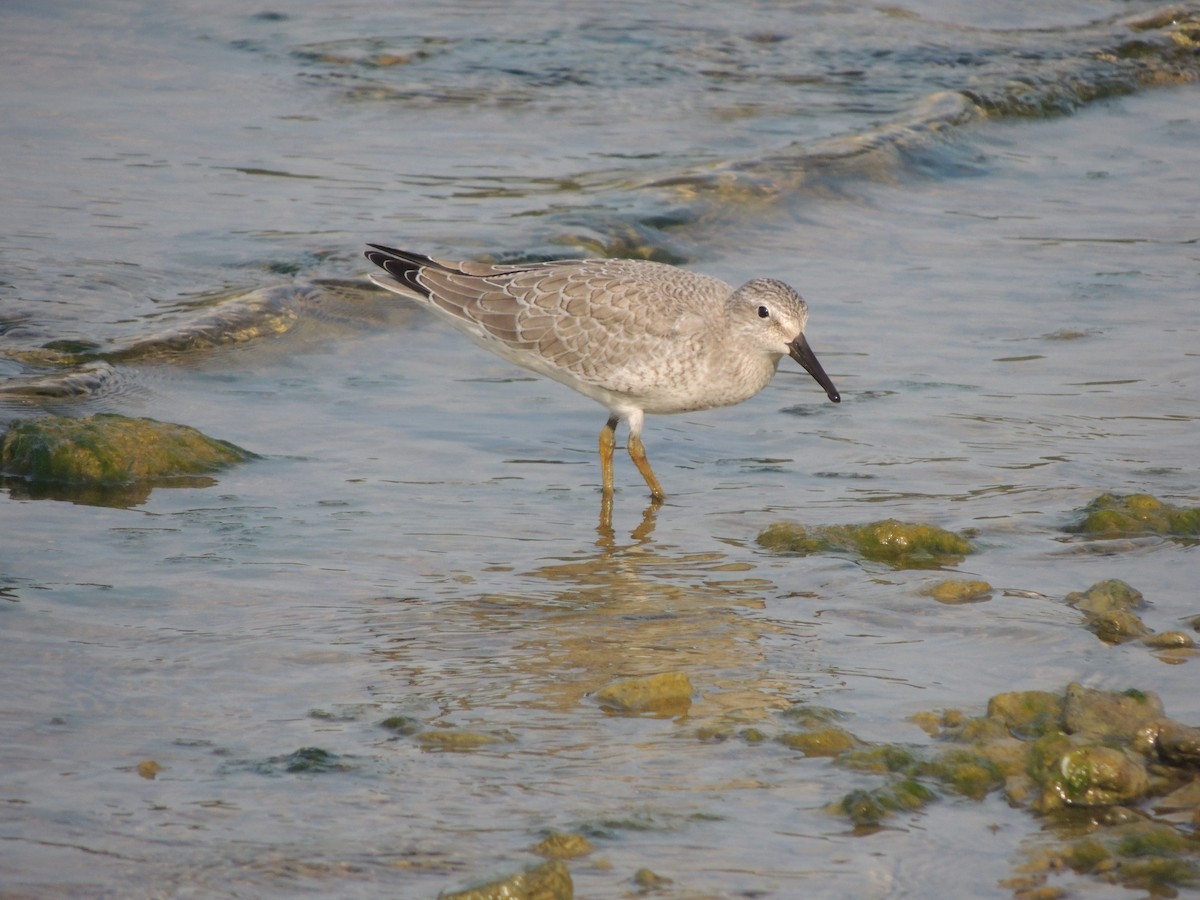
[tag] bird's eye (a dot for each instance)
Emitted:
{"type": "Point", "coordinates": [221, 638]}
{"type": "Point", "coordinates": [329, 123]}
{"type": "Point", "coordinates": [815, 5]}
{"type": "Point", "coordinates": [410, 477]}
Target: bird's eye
{"type": "Point", "coordinates": [764, 313]}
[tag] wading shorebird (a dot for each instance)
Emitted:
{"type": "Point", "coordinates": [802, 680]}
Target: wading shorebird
{"type": "Point", "coordinates": [636, 336]}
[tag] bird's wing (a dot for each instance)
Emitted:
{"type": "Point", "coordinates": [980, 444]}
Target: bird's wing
{"type": "Point", "coordinates": [594, 321]}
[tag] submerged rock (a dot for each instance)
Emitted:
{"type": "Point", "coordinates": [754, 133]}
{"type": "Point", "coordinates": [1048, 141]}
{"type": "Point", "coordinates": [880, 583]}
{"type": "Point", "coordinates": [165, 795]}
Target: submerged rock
{"type": "Point", "coordinates": [1133, 515]}
{"type": "Point", "coordinates": [648, 879]}
{"type": "Point", "coordinates": [401, 725]}
{"type": "Point", "coordinates": [954, 591]}
{"type": "Point", "coordinates": [548, 881]}
{"type": "Point", "coordinates": [305, 761]}
{"type": "Point", "coordinates": [667, 694]}
{"type": "Point", "coordinates": [220, 321]}
{"type": "Point", "coordinates": [562, 845]}
{"type": "Point", "coordinates": [822, 742]}
{"type": "Point", "coordinates": [111, 449]}
{"type": "Point", "coordinates": [902, 545]}
{"type": "Point", "coordinates": [86, 380]}
{"type": "Point", "coordinates": [456, 740]}
{"type": "Point", "coordinates": [867, 808]}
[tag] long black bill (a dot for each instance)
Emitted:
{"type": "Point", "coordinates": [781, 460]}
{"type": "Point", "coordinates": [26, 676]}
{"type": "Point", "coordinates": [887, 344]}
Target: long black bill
{"type": "Point", "coordinates": [802, 353]}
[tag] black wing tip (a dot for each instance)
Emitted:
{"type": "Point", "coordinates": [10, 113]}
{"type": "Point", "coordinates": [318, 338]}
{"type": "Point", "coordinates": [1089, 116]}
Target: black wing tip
{"type": "Point", "coordinates": [380, 252]}
{"type": "Point", "coordinates": [402, 265]}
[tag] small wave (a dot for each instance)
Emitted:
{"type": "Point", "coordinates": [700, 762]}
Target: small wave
{"type": "Point", "coordinates": [1075, 68]}
{"type": "Point", "coordinates": [230, 320]}
{"type": "Point", "coordinates": [1163, 48]}
{"type": "Point", "coordinates": [86, 380]}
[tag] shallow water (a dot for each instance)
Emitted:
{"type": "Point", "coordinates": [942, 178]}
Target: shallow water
{"type": "Point", "coordinates": [1007, 306]}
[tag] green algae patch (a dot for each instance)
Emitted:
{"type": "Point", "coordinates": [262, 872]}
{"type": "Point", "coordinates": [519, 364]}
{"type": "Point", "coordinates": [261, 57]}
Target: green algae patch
{"type": "Point", "coordinates": [809, 716]}
{"type": "Point", "coordinates": [1135, 515]}
{"type": "Point", "coordinates": [312, 759]}
{"type": "Point", "coordinates": [868, 808]}
{"type": "Point", "coordinates": [788, 537]}
{"type": "Point", "coordinates": [1157, 841]}
{"type": "Point", "coordinates": [902, 545]}
{"type": "Point", "coordinates": [305, 761]}
{"type": "Point", "coordinates": [1145, 855]}
{"type": "Point", "coordinates": [404, 726]}
{"type": "Point", "coordinates": [1028, 714]}
{"type": "Point", "coordinates": [111, 449]}
{"type": "Point", "coordinates": [965, 772]}
{"type": "Point", "coordinates": [548, 881]}
{"type": "Point", "coordinates": [666, 694]}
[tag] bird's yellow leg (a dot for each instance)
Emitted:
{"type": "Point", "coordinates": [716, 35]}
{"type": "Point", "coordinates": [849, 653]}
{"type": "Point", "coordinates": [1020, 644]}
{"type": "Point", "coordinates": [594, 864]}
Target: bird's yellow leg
{"type": "Point", "coordinates": [638, 451]}
{"type": "Point", "coordinates": [608, 440]}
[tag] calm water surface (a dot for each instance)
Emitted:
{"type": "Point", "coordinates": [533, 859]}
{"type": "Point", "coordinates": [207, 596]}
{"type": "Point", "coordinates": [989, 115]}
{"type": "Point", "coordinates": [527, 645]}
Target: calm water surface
{"type": "Point", "coordinates": [1008, 306]}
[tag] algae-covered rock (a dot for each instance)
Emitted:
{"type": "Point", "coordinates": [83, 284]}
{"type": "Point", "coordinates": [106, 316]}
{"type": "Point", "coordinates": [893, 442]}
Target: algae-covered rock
{"type": "Point", "coordinates": [1095, 775]}
{"type": "Point", "coordinates": [1108, 607]}
{"type": "Point", "coordinates": [1088, 761]}
{"type": "Point", "coordinates": [954, 591]}
{"type": "Point", "coordinates": [1169, 640]}
{"type": "Point", "coordinates": [111, 449]}
{"type": "Point", "coordinates": [903, 545]}
{"type": "Point", "coordinates": [1107, 596]}
{"type": "Point", "coordinates": [1117, 627]}
{"type": "Point", "coordinates": [1172, 743]}
{"type": "Point", "coordinates": [909, 544]}
{"type": "Point", "coordinates": [1131, 515]}
{"type": "Point", "coordinates": [548, 881]}
{"type": "Point", "coordinates": [788, 537]}
{"type": "Point", "coordinates": [1108, 714]}
{"type": "Point", "coordinates": [822, 742]}
{"type": "Point", "coordinates": [666, 694]}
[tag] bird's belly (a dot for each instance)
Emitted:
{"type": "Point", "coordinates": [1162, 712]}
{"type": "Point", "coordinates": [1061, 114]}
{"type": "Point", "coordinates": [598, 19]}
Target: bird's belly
{"type": "Point", "coordinates": [694, 390]}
